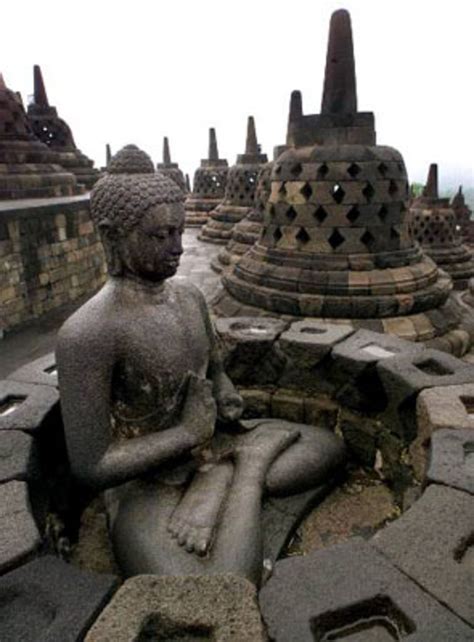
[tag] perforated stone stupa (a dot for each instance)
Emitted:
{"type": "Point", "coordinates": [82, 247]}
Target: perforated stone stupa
{"type": "Point", "coordinates": [170, 169]}
{"type": "Point", "coordinates": [28, 168]}
{"type": "Point", "coordinates": [335, 242]}
{"type": "Point", "coordinates": [56, 134]}
{"type": "Point", "coordinates": [434, 225]}
{"type": "Point", "coordinates": [463, 216]}
{"type": "Point", "coordinates": [208, 186]}
{"type": "Point", "coordinates": [239, 192]}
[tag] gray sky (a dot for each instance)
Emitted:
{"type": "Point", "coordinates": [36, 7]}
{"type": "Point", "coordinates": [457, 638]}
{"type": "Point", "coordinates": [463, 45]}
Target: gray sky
{"type": "Point", "coordinates": [134, 71]}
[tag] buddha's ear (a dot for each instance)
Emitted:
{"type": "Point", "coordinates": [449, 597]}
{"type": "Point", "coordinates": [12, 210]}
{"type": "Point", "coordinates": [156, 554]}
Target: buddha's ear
{"type": "Point", "coordinates": [108, 229]}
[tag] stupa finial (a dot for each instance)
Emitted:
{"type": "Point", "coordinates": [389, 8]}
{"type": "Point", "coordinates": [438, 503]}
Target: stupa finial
{"type": "Point", "coordinates": [166, 151]}
{"type": "Point", "coordinates": [3, 86]}
{"type": "Point", "coordinates": [431, 188]}
{"type": "Point", "coordinates": [40, 92]}
{"type": "Point", "coordinates": [213, 151]}
{"type": "Point", "coordinates": [296, 105]}
{"type": "Point", "coordinates": [108, 155]}
{"type": "Point", "coordinates": [251, 145]}
{"type": "Point", "coordinates": [340, 93]}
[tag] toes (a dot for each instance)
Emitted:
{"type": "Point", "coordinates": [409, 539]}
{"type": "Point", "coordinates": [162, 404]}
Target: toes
{"type": "Point", "coordinates": [203, 542]}
{"type": "Point", "coordinates": [183, 536]}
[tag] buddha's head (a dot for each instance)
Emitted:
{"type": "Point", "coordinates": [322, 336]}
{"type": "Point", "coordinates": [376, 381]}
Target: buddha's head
{"type": "Point", "coordinates": [140, 216]}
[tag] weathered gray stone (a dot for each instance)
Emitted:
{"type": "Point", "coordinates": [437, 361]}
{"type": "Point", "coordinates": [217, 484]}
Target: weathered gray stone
{"type": "Point", "coordinates": [42, 371]}
{"type": "Point", "coordinates": [250, 340]}
{"type": "Point", "coordinates": [350, 591]}
{"type": "Point", "coordinates": [433, 544]}
{"type": "Point", "coordinates": [307, 342]}
{"type": "Point", "coordinates": [452, 459]}
{"type": "Point", "coordinates": [217, 607]}
{"type": "Point", "coordinates": [405, 376]}
{"type": "Point", "coordinates": [48, 600]}
{"type": "Point", "coordinates": [18, 457]}
{"type": "Point", "coordinates": [25, 406]}
{"type": "Point", "coordinates": [19, 536]}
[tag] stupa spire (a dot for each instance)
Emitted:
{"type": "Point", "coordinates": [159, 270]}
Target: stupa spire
{"type": "Point", "coordinates": [340, 93]}
{"type": "Point", "coordinates": [431, 188]}
{"type": "Point", "coordinates": [296, 105]}
{"type": "Point", "coordinates": [3, 86]}
{"type": "Point", "coordinates": [108, 155]}
{"type": "Point", "coordinates": [251, 145]}
{"type": "Point", "coordinates": [213, 151]}
{"type": "Point", "coordinates": [39, 89]}
{"type": "Point", "coordinates": [166, 151]}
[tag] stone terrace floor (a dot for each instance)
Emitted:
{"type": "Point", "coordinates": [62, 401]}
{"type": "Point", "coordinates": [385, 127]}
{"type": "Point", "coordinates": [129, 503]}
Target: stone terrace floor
{"type": "Point", "coordinates": [39, 338]}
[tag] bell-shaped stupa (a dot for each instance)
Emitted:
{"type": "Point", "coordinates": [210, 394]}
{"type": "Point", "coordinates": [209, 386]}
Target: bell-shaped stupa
{"type": "Point", "coordinates": [335, 241]}
{"type": "Point", "coordinates": [434, 225]}
{"type": "Point", "coordinates": [208, 185]}
{"type": "Point", "coordinates": [28, 167]}
{"type": "Point", "coordinates": [57, 135]}
{"type": "Point", "coordinates": [463, 216]}
{"type": "Point", "coordinates": [240, 190]}
{"type": "Point", "coordinates": [170, 169]}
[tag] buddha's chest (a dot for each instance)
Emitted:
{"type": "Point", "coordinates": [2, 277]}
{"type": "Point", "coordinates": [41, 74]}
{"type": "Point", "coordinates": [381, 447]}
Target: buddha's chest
{"type": "Point", "coordinates": [157, 352]}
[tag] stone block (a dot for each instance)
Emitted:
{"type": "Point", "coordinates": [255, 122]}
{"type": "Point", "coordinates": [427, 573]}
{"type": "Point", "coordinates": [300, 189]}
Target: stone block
{"type": "Point", "coordinates": [289, 405]}
{"type": "Point", "coordinates": [404, 377]}
{"type": "Point", "coordinates": [51, 601]}
{"type": "Point", "coordinates": [433, 544]}
{"type": "Point", "coordinates": [40, 371]}
{"type": "Point", "coordinates": [19, 536]}
{"type": "Point", "coordinates": [26, 406]}
{"type": "Point", "coordinates": [452, 459]}
{"type": "Point", "coordinates": [215, 607]}
{"type": "Point", "coordinates": [307, 342]}
{"type": "Point", "coordinates": [18, 457]}
{"type": "Point", "coordinates": [248, 341]}
{"type": "Point", "coordinates": [350, 591]}
{"type": "Point", "coordinates": [257, 403]}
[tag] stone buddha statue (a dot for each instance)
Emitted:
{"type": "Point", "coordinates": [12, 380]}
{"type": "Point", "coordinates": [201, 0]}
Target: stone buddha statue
{"type": "Point", "coordinates": [150, 416]}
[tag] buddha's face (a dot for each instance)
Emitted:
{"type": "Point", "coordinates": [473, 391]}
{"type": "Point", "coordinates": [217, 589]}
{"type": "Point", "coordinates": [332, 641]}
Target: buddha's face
{"type": "Point", "coordinates": [152, 249]}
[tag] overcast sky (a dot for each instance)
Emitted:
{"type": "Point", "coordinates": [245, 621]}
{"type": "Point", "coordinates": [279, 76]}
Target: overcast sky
{"type": "Point", "coordinates": [133, 71]}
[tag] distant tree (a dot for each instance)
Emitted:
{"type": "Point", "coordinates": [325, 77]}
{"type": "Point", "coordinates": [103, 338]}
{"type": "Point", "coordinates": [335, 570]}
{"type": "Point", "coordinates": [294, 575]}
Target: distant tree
{"type": "Point", "coordinates": [417, 189]}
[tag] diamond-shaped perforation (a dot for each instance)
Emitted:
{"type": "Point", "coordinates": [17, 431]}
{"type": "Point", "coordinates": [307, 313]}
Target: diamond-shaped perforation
{"type": "Point", "coordinates": [291, 214]}
{"type": "Point", "coordinates": [320, 214]}
{"type": "Point", "coordinates": [393, 188]}
{"type": "Point", "coordinates": [296, 169]}
{"type": "Point", "coordinates": [277, 234]}
{"type": "Point", "coordinates": [353, 214]}
{"type": "Point", "coordinates": [383, 169]}
{"type": "Point", "coordinates": [302, 236]}
{"type": "Point", "coordinates": [338, 193]}
{"type": "Point", "coordinates": [306, 191]}
{"type": "Point", "coordinates": [367, 239]}
{"type": "Point", "coordinates": [323, 171]}
{"type": "Point", "coordinates": [353, 170]}
{"type": "Point", "coordinates": [368, 192]}
{"type": "Point", "coordinates": [382, 213]}
{"type": "Point", "coordinates": [336, 239]}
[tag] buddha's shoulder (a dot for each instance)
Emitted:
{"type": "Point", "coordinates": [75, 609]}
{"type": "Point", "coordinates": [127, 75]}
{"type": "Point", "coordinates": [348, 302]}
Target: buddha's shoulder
{"type": "Point", "coordinates": [93, 321]}
{"type": "Point", "coordinates": [186, 290]}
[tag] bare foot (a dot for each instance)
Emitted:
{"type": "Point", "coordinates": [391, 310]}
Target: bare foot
{"type": "Point", "coordinates": [195, 519]}
{"type": "Point", "coordinates": [199, 413]}
{"type": "Point", "coordinates": [258, 449]}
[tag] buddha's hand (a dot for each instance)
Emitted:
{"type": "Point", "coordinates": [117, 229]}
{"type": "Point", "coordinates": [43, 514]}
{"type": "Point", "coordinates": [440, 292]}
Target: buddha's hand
{"type": "Point", "coordinates": [199, 412]}
{"type": "Point", "coordinates": [230, 404]}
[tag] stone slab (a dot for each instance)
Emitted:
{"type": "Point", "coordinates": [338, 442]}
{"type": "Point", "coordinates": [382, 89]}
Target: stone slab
{"type": "Point", "coordinates": [41, 371]}
{"type": "Point", "coordinates": [222, 608]}
{"type": "Point", "coordinates": [307, 342]}
{"type": "Point", "coordinates": [452, 459]}
{"type": "Point", "coordinates": [48, 600]}
{"type": "Point", "coordinates": [25, 406]}
{"type": "Point", "coordinates": [433, 544]}
{"type": "Point", "coordinates": [18, 457]}
{"type": "Point", "coordinates": [19, 536]}
{"type": "Point", "coordinates": [350, 591]}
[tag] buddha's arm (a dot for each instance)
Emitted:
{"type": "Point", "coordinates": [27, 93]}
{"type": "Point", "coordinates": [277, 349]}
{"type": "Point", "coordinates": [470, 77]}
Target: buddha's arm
{"type": "Point", "coordinates": [229, 401]}
{"type": "Point", "coordinates": [85, 375]}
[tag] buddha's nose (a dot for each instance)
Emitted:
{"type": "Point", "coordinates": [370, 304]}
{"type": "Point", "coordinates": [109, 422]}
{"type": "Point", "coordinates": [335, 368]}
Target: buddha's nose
{"type": "Point", "coordinates": [177, 245]}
